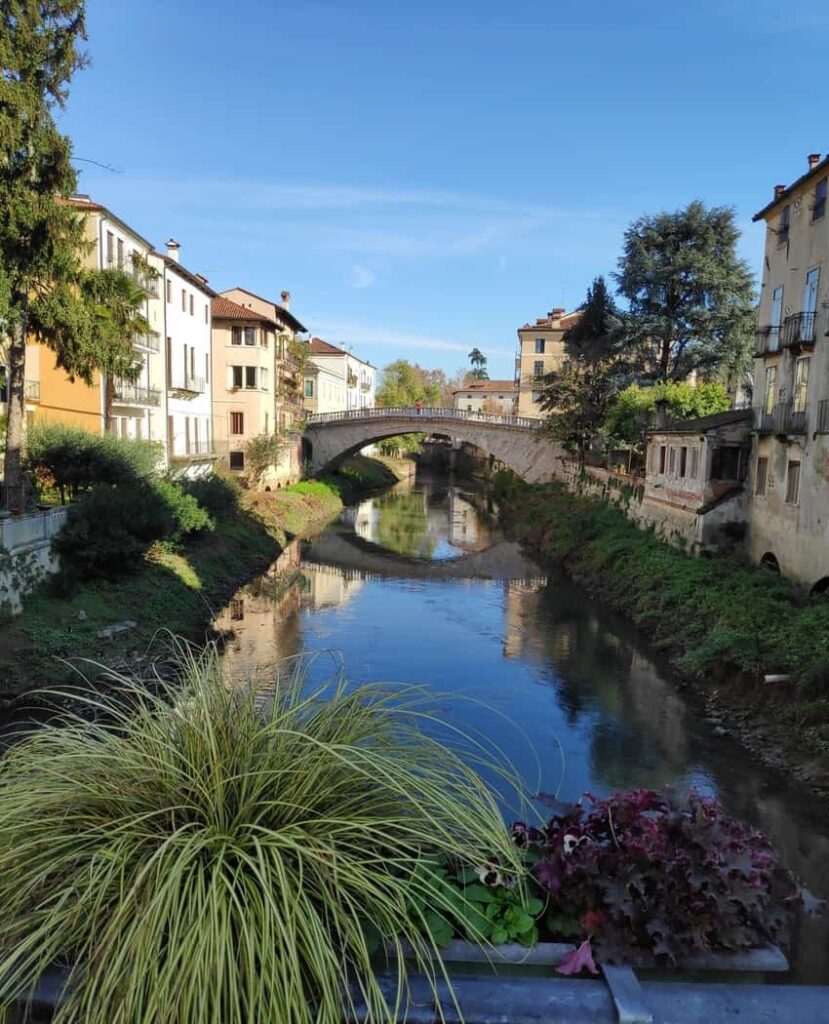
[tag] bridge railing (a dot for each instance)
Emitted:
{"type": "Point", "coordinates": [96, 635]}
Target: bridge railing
{"type": "Point", "coordinates": [407, 412]}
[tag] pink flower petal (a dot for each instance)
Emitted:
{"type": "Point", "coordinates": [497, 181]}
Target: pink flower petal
{"type": "Point", "coordinates": [575, 962]}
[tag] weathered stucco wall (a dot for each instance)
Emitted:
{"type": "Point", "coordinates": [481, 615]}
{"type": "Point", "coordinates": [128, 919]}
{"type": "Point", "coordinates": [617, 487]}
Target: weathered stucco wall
{"type": "Point", "coordinates": [25, 554]}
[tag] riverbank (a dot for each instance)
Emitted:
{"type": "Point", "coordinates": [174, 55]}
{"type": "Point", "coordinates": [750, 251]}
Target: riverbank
{"type": "Point", "coordinates": [179, 589]}
{"type": "Point", "coordinates": [726, 626]}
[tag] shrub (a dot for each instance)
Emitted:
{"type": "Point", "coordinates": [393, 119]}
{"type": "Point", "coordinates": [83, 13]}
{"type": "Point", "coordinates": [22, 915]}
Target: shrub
{"type": "Point", "coordinates": [110, 528]}
{"type": "Point", "coordinates": [186, 513]}
{"type": "Point", "coordinates": [212, 858]}
{"type": "Point", "coordinates": [219, 495]}
{"type": "Point", "coordinates": [74, 460]}
{"type": "Point", "coordinates": [647, 871]}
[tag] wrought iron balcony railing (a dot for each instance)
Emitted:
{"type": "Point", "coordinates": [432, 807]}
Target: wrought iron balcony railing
{"type": "Point", "coordinates": [133, 394]}
{"type": "Point", "coordinates": [768, 341]}
{"type": "Point", "coordinates": [187, 383]}
{"type": "Point", "coordinates": [784, 418]}
{"type": "Point", "coordinates": [799, 330]}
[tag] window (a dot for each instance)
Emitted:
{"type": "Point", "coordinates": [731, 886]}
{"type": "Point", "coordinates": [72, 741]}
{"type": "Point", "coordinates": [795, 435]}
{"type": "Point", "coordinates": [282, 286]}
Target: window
{"type": "Point", "coordinates": [683, 460]}
{"type": "Point", "coordinates": [192, 304]}
{"type": "Point", "coordinates": [250, 376]}
{"type": "Point", "coordinates": [537, 395]}
{"type": "Point", "coordinates": [309, 389]}
{"type": "Point", "coordinates": [266, 422]}
{"type": "Point", "coordinates": [264, 338]}
{"type": "Point", "coordinates": [237, 460]}
{"type": "Point", "coordinates": [237, 423]}
{"type": "Point", "coordinates": [761, 476]}
{"type": "Point", "coordinates": [783, 225]}
{"type": "Point", "coordinates": [263, 377]}
{"type": "Point", "coordinates": [776, 318]}
{"type": "Point", "coordinates": [235, 335]}
{"type": "Point", "coordinates": [538, 368]}
{"type": "Point", "coordinates": [694, 474]}
{"type": "Point", "coordinates": [819, 208]}
{"type": "Point", "coordinates": [250, 335]}
{"type": "Point", "coordinates": [236, 376]}
{"type": "Point", "coordinates": [663, 454]}
{"type": "Point", "coordinates": [801, 383]}
{"type": "Point", "coordinates": [168, 289]}
{"type": "Point", "coordinates": [206, 368]}
{"type": "Point", "coordinates": [728, 463]}
{"type": "Point", "coordinates": [768, 394]}
{"type": "Point", "coordinates": [539, 346]}
{"type": "Point", "coordinates": [793, 482]}
{"type": "Point", "coordinates": [183, 301]}
{"type": "Point", "coordinates": [120, 246]}
{"type": "Point", "coordinates": [110, 248]}
{"type": "Point", "coordinates": [672, 461]}
{"type": "Point", "coordinates": [206, 314]}
{"type": "Point", "coordinates": [237, 609]}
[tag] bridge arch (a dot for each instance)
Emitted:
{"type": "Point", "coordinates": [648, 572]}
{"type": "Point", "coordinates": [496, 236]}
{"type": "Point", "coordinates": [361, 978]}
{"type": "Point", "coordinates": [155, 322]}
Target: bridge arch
{"type": "Point", "coordinates": [518, 442]}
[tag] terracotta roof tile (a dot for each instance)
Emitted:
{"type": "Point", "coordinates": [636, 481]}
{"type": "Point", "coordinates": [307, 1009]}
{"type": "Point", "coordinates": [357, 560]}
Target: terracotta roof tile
{"type": "Point", "coordinates": [487, 386]}
{"type": "Point", "coordinates": [322, 348]}
{"type": "Point", "coordinates": [224, 309]}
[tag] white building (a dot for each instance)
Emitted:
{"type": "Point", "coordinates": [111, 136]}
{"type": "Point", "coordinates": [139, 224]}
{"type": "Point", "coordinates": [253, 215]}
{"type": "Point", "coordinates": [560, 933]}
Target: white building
{"type": "Point", "coordinates": [188, 364]}
{"type": "Point", "coordinates": [336, 380]}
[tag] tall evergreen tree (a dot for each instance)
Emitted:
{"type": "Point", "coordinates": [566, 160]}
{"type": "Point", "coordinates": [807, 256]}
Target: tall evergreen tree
{"type": "Point", "coordinates": [691, 298]}
{"type": "Point", "coordinates": [40, 238]}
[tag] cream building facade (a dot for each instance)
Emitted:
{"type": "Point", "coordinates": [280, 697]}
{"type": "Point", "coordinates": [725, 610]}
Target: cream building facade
{"type": "Point", "coordinates": [492, 396]}
{"type": "Point", "coordinates": [788, 520]}
{"type": "Point", "coordinates": [540, 351]}
{"type": "Point", "coordinates": [336, 380]}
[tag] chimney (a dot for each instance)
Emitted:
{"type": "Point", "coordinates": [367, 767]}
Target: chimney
{"type": "Point", "coordinates": [286, 300]}
{"type": "Point", "coordinates": [172, 249]}
{"type": "Point", "coordinates": [814, 160]}
{"type": "Point", "coordinates": [661, 407]}
{"type": "Point", "coordinates": [779, 190]}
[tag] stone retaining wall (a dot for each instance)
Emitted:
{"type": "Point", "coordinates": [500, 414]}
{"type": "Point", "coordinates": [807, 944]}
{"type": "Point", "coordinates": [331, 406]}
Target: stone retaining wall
{"type": "Point", "coordinates": [25, 553]}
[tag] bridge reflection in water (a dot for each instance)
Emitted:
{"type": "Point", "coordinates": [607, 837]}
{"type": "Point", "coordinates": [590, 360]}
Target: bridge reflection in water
{"type": "Point", "coordinates": [415, 586]}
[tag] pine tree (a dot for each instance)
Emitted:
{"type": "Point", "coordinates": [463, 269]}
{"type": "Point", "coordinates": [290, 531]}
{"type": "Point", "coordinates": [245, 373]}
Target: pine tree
{"type": "Point", "coordinates": [691, 298]}
{"type": "Point", "coordinates": [40, 237]}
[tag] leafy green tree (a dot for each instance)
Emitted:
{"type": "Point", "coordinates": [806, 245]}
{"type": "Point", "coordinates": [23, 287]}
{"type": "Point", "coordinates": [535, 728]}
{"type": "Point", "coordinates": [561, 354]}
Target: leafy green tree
{"type": "Point", "coordinates": [691, 299]}
{"type": "Point", "coordinates": [403, 383]}
{"type": "Point", "coordinates": [114, 304]}
{"type": "Point", "coordinates": [633, 408]}
{"type": "Point", "coordinates": [40, 236]}
{"type": "Point", "coordinates": [578, 397]}
{"type": "Point", "coordinates": [479, 361]}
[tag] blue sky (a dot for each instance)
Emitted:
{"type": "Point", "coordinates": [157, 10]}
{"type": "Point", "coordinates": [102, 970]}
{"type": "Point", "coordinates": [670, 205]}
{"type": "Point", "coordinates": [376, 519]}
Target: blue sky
{"type": "Point", "coordinates": [425, 177]}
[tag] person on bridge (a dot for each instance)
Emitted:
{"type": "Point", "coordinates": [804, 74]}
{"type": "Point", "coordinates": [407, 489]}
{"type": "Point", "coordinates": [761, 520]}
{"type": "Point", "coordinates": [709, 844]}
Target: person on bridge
{"type": "Point", "coordinates": [419, 407]}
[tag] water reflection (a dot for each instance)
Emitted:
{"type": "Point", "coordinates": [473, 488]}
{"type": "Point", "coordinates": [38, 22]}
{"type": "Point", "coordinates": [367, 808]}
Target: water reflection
{"type": "Point", "coordinates": [532, 649]}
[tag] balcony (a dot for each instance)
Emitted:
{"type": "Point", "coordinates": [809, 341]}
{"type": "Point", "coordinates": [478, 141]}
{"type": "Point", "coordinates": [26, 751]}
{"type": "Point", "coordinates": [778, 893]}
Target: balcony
{"type": "Point", "coordinates": [823, 417]}
{"type": "Point", "coordinates": [31, 390]}
{"type": "Point", "coordinates": [133, 394]}
{"type": "Point", "coordinates": [151, 342]}
{"type": "Point", "coordinates": [783, 419]}
{"type": "Point", "coordinates": [768, 341]}
{"type": "Point", "coordinates": [188, 385]}
{"type": "Point", "coordinates": [195, 449]}
{"type": "Point", "coordinates": [799, 331]}
{"type": "Point", "coordinates": [365, 385]}
{"type": "Point", "coordinates": [352, 380]}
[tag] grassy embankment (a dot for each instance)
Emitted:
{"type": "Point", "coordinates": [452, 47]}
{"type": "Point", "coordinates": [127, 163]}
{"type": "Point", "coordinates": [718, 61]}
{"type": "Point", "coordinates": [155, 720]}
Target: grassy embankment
{"type": "Point", "coordinates": [174, 588]}
{"type": "Point", "coordinates": [723, 623]}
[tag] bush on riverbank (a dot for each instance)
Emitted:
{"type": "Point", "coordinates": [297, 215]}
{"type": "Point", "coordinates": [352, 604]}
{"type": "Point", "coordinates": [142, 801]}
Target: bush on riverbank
{"type": "Point", "coordinates": [212, 859]}
{"type": "Point", "coordinates": [719, 618]}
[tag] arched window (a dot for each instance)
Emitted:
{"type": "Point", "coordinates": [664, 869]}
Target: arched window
{"type": "Point", "coordinates": [769, 561]}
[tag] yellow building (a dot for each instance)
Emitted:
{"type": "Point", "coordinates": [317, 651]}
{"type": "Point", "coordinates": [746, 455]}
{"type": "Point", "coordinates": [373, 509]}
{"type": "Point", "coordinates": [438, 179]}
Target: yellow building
{"type": "Point", "coordinates": [541, 351]}
{"type": "Point", "coordinates": [137, 409]}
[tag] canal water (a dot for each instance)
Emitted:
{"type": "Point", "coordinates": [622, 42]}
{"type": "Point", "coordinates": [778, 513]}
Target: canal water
{"type": "Point", "coordinates": [416, 586]}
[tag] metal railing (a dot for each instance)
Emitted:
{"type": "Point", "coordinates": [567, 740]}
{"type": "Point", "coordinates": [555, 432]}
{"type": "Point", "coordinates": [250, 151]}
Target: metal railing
{"type": "Point", "coordinates": [799, 329]}
{"type": "Point", "coordinates": [193, 447]}
{"type": "Point", "coordinates": [783, 419]}
{"type": "Point", "coordinates": [150, 341]}
{"type": "Point", "coordinates": [823, 417]}
{"type": "Point", "coordinates": [425, 414]}
{"type": "Point", "coordinates": [134, 394]}
{"type": "Point", "coordinates": [365, 385]}
{"type": "Point", "coordinates": [768, 341]}
{"type": "Point", "coordinates": [193, 385]}
{"type": "Point", "coordinates": [31, 390]}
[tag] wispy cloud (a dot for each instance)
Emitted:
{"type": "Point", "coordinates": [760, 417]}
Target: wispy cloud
{"type": "Point", "coordinates": [360, 276]}
{"type": "Point", "coordinates": [346, 332]}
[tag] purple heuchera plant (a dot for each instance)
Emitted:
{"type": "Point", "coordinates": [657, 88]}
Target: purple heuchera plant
{"type": "Point", "coordinates": [651, 872]}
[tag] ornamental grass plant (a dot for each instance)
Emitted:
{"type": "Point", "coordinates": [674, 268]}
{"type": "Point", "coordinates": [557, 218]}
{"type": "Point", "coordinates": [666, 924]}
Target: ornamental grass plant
{"type": "Point", "coordinates": [204, 855]}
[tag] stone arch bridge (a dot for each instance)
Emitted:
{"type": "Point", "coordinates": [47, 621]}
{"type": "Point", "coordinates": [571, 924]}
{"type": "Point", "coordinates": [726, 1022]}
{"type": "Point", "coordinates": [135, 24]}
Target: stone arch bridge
{"type": "Point", "coordinates": [516, 441]}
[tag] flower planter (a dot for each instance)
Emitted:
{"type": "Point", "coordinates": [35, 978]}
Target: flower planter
{"type": "Point", "coordinates": [549, 954]}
